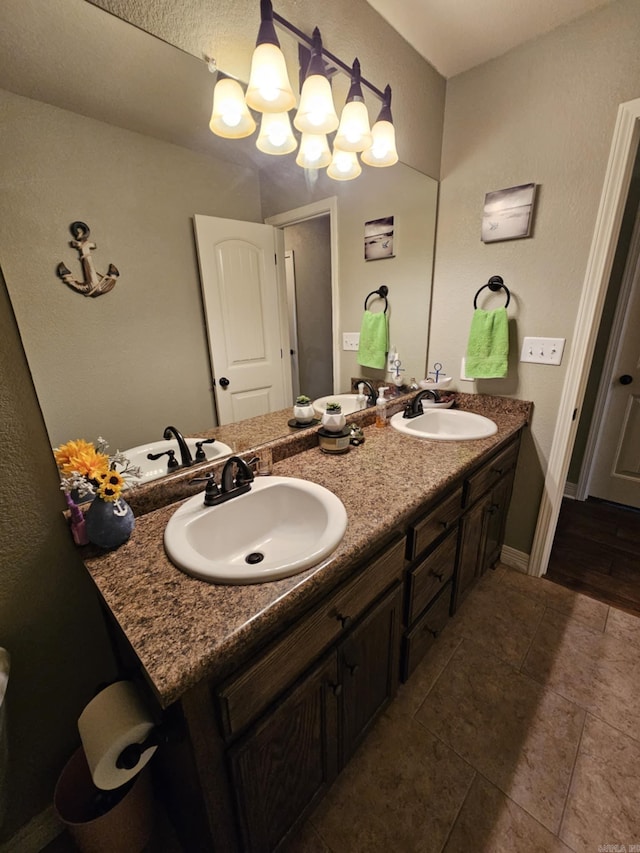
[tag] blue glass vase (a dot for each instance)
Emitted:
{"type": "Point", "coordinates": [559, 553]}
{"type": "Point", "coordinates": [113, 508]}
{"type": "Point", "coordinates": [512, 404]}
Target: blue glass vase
{"type": "Point", "coordinates": [109, 523]}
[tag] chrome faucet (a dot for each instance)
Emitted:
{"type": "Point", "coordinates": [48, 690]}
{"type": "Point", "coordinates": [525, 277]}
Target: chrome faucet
{"type": "Point", "coordinates": [414, 408]}
{"type": "Point", "coordinates": [186, 460]}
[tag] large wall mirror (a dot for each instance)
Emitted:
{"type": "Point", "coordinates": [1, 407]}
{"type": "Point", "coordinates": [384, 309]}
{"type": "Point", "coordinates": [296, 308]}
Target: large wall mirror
{"type": "Point", "coordinates": [106, 124]}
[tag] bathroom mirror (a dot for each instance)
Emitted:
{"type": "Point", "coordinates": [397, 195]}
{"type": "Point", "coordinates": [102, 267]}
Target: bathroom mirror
{"type": "Point", "coordinates": [106, 124]}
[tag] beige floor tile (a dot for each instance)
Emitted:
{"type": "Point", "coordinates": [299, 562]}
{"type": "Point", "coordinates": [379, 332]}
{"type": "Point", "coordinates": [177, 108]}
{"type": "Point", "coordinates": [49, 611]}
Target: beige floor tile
{"type": "Point", "coordinates": [306, 840]}
{"type": "Point", "coordinates": [522, 737]}
{"type": "Point", "coordinates": [597, 671]}
{"type": "Point", "coordinates": [624, 626]}
{"type": "Point", "coordinates": [580, 607]}
{"type": "Point", "coordinates": [401, 791]}
{"type": "Point", "coordinates": [603, 804]}
{"type": "Point", "coordinates": [492, 823]}
{"type": "Point", "coordinates": [499, 617]}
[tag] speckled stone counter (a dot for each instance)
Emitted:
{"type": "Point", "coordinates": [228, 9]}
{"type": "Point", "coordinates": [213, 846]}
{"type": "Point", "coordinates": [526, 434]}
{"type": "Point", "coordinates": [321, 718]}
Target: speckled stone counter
{"type": "Point", "coordinates": [184, 630]}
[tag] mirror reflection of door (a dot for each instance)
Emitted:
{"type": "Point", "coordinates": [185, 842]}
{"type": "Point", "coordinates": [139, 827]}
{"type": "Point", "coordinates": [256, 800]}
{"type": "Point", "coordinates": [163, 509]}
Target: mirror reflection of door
{"type": "Point", "coordinates": [308, 246]}
{"type": "Point", "coordinates": [247, 335]}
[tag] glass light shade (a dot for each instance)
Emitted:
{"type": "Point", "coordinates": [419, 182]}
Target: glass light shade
{"type": "Point", "coordinates": [230, 117]}
{"type": "Point", "coordinates": [383, 149]}
{"type": "Point", "coordinates": [354, 133]}
{"type": "Point", "coordinates": [314, 151]}
{"type": "Point", "coordinates": [344, 166]}
{"type": "Point", "coordinates": [276, 136]}
{"type": "Point", "coordinates": [316, 113]}
{"type": "Point", "coordinates": [269, 90]}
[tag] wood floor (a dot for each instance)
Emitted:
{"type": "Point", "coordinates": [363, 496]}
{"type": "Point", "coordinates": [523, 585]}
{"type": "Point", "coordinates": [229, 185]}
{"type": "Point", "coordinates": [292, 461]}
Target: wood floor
{"type": "Point", "coordinates": [596, 551]}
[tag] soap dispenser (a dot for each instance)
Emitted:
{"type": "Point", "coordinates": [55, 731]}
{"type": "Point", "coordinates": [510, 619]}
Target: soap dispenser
{"type": "Point", "coordinates": [361, 400]}
{"type": "Point", "coordinates": [381, 407]}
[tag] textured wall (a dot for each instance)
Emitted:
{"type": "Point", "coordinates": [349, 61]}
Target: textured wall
{"type": "Point", "coordinates": [544, 112]}
{"type": "Point", "coordinates": [49, 616]}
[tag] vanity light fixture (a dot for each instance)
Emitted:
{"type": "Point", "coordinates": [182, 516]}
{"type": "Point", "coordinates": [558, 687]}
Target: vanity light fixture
{"type": "Point", "coordinates": [269, 92]}
{"type": "Point", "coordinates": [382, 151]}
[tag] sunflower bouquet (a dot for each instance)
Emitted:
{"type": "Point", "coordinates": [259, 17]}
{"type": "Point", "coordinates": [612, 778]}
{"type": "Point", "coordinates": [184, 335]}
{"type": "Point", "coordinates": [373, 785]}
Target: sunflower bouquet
{"type": "Point", "coordinates": [88, 469]}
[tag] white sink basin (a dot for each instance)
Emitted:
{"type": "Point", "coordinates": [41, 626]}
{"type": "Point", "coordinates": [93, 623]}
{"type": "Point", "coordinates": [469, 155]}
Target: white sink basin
{"type": "Point", "coordinates": [152, 469]}
{"type": "Point", "coordinates": [279, 528]}
{"type": "Point", "coordinates": [445, 425]}
{"type": "Point", "coordinates": [349, 403]}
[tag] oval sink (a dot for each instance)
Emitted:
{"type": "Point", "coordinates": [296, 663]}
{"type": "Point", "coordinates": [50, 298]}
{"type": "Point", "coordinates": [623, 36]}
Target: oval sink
{"type": "Point", "coordinates": [445, 425]}
{"type": "Point", "coordinates": [281, 527]}
{"type": "Point", "coordinates": [349, 403]}
{"type": "Point", "coordinates": [152, 469]}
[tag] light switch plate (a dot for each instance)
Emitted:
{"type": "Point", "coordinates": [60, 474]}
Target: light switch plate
{"type": "Point", "coordinates": [350, 341]}
{"type": "Point", "coordinates": [542, 350]}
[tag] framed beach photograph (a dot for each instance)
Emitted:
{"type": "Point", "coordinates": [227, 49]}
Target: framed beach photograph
{"type": "Point", "coordinates": [378, 239]}
{"type": "Point", "coordinates": [508, 213]}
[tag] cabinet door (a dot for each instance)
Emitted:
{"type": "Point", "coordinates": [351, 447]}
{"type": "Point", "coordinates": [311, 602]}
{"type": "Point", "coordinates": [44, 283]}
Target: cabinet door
{"type": "Point", "coordinates": [496, 519]}
{"type": "Point", "coordinates": [369, 660]}
{"type": "Point", "coordinates": [284, 765]}
{"type": "Point", "coordinates": [472, 536]}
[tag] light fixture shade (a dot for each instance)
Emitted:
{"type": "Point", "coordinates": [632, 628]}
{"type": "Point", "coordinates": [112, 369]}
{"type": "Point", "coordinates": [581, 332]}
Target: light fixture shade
{"type": "Point", "coordinates": [269, 89]}
{"type": "Point", "coordinates": [354, 133]}
{"type": "Point", "coordinates": [382, 151]}
{"type": "Point", "coordinates": [230, 117]}
{"type": "Point", "coordinates": [344, 166]}
{"type": "Point", "coordinates": [314, 151]}
{"type": "Point", "coordinates": [276, 136]}
{"type": "Point", "coordinates": [316, 113]}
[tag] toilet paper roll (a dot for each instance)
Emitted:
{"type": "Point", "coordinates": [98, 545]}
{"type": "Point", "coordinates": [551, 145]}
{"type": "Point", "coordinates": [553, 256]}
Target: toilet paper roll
{"type": "Point", "coordinates": [115, 719]}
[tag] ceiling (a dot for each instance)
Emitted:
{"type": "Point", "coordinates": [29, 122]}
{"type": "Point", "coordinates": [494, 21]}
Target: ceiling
{"type": "Point", "coordinates": [455, 35]}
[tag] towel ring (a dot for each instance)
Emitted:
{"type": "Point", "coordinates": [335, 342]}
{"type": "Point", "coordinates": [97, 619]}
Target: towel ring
{"type": "Point", "coordinates": [382, 293]}
{"type": "Point", "coordinates": [495, 284]}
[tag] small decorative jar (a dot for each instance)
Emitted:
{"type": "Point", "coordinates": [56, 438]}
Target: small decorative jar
{"type": "Point", "coordinates": [333, 420]}
{"type": "Point", "coordinates": [303, 411]}
{"type": "Point", "coordinates": [109, 524]}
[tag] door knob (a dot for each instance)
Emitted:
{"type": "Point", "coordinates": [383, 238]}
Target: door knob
{"type": "Point", "coordinates": [625, 379]}
{"type": "Point", "coordinates": [224, 382]}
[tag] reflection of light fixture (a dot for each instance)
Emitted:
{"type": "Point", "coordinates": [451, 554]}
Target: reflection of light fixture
{"type": "Point", "coordinates": [230, 117]}
{"type": "Point", "coordinates": [314, 151]}
{"type": "Point", "coordinates": [276, 136]}
{"type": "Point", "coordinates": [316, 113]}
{"type": "Point", "coordinates": [269, 90]}
{"type": "Point", "coordinates": [383, 147]}
{"type": "Point", "coordinates": [354, 133]}
{"type": "Point", "coordinates": [344, 166]}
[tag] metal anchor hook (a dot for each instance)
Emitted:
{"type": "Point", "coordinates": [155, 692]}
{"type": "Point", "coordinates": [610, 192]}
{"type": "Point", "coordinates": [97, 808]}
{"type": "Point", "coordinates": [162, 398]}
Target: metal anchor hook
{"type": "Point", "coordinates": [94, 284]}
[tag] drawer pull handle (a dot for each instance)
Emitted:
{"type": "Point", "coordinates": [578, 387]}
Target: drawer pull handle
{"type": "Point", "coordinates": [352, 667]}
{"type": "Point", "coordinates": [438, 576]}
{"type": "Point", "coordinates": [493, 509]}
{"type": "Point", "coordinates": [345, 621]}
{"type": "Point", "coordinates": [336, 689]}
{"type": "Point", "coordinates": [498, 471]}
{"type": "Point", "coordinates": [443, 524]}
{"type": "Point", "coordinates": [433, 631]}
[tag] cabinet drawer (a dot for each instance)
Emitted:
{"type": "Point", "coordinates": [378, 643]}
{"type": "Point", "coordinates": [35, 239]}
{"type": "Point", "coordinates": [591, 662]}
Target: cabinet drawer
{"type": "Point", "coordinates": [430, 576]}
{"type": "Point", "coordinates": [422, 533]}
{"type": "Point", "coordinates": [427, 629]}
{"type": "Point", "coordinates": [477, 484]}
{"type": "Point", "coordinates": [246, 695]}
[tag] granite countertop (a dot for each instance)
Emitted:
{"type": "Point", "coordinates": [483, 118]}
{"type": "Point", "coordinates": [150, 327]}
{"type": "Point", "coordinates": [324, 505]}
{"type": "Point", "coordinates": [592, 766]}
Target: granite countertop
{"type": "Point", "coordinates": [183, 629]}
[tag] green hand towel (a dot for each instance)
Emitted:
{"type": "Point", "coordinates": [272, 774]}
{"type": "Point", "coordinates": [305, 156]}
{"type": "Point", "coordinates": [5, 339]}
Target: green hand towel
{"type": "Point", "coordinates": [374, 340]}
{"type": "Point", "coordinates": [488, 347]}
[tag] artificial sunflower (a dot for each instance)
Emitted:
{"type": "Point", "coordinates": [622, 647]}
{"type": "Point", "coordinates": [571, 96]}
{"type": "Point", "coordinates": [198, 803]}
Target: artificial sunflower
{"type": "Point", "coordinates": [81, 457]}
{"type": "Point", "coordinates": [111, 484]}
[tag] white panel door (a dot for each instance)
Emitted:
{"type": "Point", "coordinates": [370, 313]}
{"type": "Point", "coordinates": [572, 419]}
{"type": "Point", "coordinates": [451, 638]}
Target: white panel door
{"type": "Point", "coordinates": [242, 304]}
{"type": "Point", "coordinates": [616, 471]}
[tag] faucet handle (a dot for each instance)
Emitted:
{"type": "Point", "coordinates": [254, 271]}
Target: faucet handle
{"type": "Point", "coordinates": [200, 454]}
{"type": "Point", "coordinates": [212, 489]}
{"type": "Point", "coordinates": [172, 463]}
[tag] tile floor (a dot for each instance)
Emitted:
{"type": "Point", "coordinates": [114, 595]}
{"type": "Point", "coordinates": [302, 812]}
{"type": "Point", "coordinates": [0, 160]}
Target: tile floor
{"type": "Point", "coordinates": [520, 732]}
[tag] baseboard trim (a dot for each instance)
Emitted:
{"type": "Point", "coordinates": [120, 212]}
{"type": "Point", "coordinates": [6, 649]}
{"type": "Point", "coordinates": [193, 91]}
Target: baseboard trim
{"type": "Point", "coordinates": [35, 835]}
{"type": "Point", "coordinates": [515, 559]}
{"type": "Point", "coordinates": [570, 490]}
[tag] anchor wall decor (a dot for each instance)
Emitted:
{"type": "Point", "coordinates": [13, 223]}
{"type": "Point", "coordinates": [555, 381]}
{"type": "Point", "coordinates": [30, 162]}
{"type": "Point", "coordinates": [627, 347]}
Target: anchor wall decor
{"type": "Point", "coordinates": [94, 284]}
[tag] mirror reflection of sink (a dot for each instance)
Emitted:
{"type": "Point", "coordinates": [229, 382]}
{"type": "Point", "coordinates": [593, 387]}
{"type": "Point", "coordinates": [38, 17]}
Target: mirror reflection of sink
{"type": "Point", "coordinates": [349, 403]}
{"type": "Point", "coordinates": [152, 469]}
{"type": "Point", "coordinates": [281, 527]}
{"type": "Point", "coordinates": [445, 425]}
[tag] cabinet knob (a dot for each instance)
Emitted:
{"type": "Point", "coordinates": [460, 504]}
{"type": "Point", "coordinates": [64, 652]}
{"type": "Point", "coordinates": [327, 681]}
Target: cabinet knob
{"type": "Point", "coordinates": [336, 689]}
{"type": "Point", "coordinates": [443, 524]}
{"type": "Point", "coordinates": [352, 667]}
{"type": "Point", "coordinates": [438, 576]}
{"type": "Point", "coordinates": [345, 621]}
{"type": "Point", "coordinates": [498, 471]}
{"type": "Point", "coordinates": [493, 509]}
{"type": "Point", "coordinates": [433, 631]}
